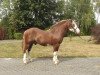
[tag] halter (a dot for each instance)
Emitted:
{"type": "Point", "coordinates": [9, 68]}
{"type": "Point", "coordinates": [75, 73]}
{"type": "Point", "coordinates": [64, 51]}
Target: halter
{"type": "Point", "coordinates": [78, 35]}
{"type": "Point", "coordinates": [73, 29]}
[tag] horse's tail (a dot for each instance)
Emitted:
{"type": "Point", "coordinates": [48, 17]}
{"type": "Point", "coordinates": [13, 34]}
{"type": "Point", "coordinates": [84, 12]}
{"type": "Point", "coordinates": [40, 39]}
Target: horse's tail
{"type": "Point", "coordinates": [24, 43]}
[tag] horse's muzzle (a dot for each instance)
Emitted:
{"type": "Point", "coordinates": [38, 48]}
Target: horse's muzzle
{"type": "Point", "coordinates": [77, 31]}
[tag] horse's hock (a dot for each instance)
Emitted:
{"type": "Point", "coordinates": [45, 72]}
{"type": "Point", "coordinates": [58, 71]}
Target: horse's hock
{"type": "Point", "coordinates": [2, 33]}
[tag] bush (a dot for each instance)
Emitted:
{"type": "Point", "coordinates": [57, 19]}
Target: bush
{"type": "Point", "coordinates": [18, 36]}
{"type": "Point", "coordinates": [95, 33]}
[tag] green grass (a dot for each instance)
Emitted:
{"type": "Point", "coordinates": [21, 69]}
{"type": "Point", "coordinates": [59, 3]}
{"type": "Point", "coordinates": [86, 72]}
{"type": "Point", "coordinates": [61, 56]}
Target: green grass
{"type": "Point", "coordinates": [75, 48]}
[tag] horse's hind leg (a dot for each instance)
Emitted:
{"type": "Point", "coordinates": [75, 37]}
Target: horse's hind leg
{"type": "Point", "coordinates": [29, 49]}
{"type": "Point", "coordinates": [24, 54]}
{"type": "Point", "coordinates": [25, 48]}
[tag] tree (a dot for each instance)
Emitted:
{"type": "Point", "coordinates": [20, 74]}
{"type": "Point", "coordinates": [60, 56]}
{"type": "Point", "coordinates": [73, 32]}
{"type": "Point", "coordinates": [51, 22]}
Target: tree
{"type": "Point", "coordinates": [82, 11]}
{"type": "Point", "coordinates": [6, 9]}
{"type": "Point", "coordinates": [23, 14]}
{"type": "Point", "coordinates": [35, 13]}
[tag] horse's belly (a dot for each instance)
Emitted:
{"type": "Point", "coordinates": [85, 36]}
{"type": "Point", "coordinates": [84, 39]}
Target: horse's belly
{"type": "Point", "coordinates": [43, 43]}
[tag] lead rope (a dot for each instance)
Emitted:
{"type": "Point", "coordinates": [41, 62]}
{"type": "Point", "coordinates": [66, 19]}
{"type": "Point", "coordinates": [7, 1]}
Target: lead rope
{"type": "Point", "coordinates": [81, 38]}
{"type": "Point", "coordinates": [78, 35]}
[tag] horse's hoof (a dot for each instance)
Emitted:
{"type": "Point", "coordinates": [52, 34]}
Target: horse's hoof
{"type": "Point", "coordinates": [25, 63]}
{"type": "Point", "coordinates": [30, 60]}
{"type": "Point", "coordinates": [56, 62]}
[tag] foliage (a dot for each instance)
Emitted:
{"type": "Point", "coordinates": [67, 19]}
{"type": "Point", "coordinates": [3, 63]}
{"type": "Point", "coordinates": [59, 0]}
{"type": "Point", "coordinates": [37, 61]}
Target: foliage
{"type": "Point", "coordinates": [9, 28]}
{"type": "Point", "coordinates": [18, 36]}
{"type": "Point", "coordinates": [82, 12]}
{"type": "Point", "coordinates": [20, 15]}
{"type": "Point", "coordinates": [96, 33]}
{"type": "Point", "coordinates": [34, 13]}
{"type": "Point", "coordinates": [6, 8]}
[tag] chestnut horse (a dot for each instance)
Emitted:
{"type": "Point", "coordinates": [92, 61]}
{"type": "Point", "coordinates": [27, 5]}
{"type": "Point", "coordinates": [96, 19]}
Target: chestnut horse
{"type": "Point", "coordinates": [52, 37]}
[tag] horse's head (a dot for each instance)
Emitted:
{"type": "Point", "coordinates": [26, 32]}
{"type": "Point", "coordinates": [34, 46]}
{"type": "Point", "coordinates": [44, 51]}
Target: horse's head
{"type": "Point", "coordinates": [73, 27]}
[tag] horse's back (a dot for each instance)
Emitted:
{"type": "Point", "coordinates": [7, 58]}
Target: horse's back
{"type": "Point", "coordinates": [29, 34]}
{"type": "Point", "coordinates": [31, 31]}
{"type": "Point", "coordinates": [34, 33]}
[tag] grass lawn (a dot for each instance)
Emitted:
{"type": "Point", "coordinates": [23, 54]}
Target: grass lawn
{"type": "Point", "coordinates": [75, 48]}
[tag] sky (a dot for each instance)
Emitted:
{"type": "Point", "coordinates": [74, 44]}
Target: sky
{"type": "Point", "coordinates": [97, 14]}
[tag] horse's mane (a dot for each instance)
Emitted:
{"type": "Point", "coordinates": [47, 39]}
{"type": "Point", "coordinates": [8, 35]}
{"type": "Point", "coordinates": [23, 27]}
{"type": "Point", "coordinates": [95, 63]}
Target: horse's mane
{"type": "Point", "coordinates": [58, 24]}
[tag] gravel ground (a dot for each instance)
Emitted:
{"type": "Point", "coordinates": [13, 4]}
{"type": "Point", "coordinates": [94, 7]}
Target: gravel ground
{"type": "Point", "coordinates": [45, 66]}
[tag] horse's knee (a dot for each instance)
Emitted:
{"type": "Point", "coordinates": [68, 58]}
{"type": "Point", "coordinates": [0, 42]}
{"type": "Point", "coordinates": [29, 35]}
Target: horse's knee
{"type": "Point", "coordinates": [24, 51]}
{"type": "Point", "coordinates": [56, 47]}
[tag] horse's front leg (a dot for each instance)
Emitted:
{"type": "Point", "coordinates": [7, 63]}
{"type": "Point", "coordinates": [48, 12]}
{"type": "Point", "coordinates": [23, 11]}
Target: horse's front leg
{"type": "Point", "coordinates": [24, 58]}
{"type": "Point", "coordinates": [55, 54]}
{"type": "Point", "coordinates": [29, 57]}
{"type": "Point", "coordinates": [55, 57]}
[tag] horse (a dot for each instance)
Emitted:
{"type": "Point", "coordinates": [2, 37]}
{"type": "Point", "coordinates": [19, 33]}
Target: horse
{"type": "Point", "coordinates": [54, 37]}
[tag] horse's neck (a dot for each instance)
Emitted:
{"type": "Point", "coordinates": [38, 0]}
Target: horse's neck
{"type": "Point", "coordinates": [59, 32]}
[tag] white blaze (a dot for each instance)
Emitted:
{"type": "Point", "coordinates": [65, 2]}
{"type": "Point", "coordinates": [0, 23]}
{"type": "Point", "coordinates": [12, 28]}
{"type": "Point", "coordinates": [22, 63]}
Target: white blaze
{"type": "Point", "coordinates": [75, 28]}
